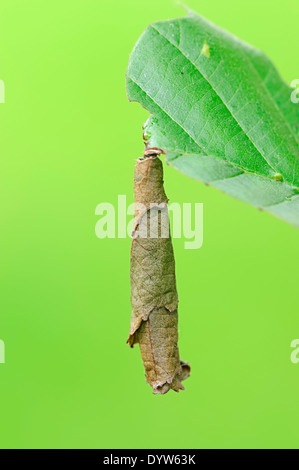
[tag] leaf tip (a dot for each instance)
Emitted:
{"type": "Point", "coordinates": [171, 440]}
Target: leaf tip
{"type": "Point", "coordinates": [186, 8]}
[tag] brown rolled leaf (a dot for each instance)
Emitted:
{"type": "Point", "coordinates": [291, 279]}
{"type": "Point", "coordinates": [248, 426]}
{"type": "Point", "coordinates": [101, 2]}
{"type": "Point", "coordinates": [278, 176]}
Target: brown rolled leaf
{"type": "Point", "coordinates": [154, 320]}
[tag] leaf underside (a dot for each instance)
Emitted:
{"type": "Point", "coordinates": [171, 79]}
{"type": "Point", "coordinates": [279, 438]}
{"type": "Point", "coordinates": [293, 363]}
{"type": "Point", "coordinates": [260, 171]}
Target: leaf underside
{"type": "Point", "coordinates": [220, 110]}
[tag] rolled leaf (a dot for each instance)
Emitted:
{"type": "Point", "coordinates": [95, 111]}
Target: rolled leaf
{"type": "Point", "coordinates": [154, 320]}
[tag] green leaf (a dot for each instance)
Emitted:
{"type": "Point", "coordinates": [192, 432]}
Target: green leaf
{"type": "Point", "coordinates": [220, 110]}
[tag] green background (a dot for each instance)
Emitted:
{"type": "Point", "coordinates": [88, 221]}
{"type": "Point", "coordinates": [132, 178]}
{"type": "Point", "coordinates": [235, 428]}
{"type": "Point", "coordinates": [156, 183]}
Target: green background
{"type": "Point", "coordinates": [69, 140]}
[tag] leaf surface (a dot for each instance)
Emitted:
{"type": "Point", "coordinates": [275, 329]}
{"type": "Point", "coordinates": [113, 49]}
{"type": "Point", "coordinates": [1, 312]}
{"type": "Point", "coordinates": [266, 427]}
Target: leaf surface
{"type": "Point", "coordinates": [220, 110]}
